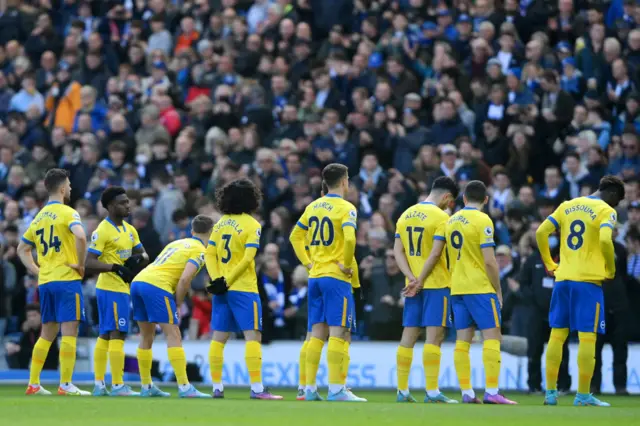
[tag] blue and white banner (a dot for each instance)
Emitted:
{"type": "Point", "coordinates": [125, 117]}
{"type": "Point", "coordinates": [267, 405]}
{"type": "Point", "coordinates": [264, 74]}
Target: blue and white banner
{"type": "Point", "coordinates": [373, 365]}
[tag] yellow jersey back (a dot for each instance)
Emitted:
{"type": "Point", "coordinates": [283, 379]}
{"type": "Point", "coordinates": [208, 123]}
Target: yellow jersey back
{"type": "Point", "coordinates": [467, 233]}
{"type": "Point", "coordinates": [324, 220]}
{"type": "Point", "coordinates": [417, 228]}
{"type": "Point", "coordinates": [114, 245]}
{"type": "Point", "coordinates": [50, 234]}
{"type": "Point", "coordinates": [166, 270]}
{"type": "Point", "coordinates": [230, 238]}
{"type": "Point", "coordinates": [579, 222]}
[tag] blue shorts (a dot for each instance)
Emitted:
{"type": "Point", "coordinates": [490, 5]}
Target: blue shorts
{"type": "Point", "coordinates": [236, 311]}
{"type": "Point", "coordinates": [353, 323]}
{"type": "Point", "coordinates": [331, 302]}
{"type": "Point", "coordinates": [429, 308]}
{"type": "Point", "coordinates": [61, 301]}
{"type": "Point", "coordinates": [153, 304]}
{"type": "Point", "coordinates": [113, 311]}
{"type": "Point", "coordinates": [481, 310]}
{"type": "Point", "coordinates": [578, 306]}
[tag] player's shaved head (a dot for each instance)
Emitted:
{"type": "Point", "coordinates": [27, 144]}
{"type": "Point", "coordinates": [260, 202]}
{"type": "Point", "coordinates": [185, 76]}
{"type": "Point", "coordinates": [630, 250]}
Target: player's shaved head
{"type": "Point", "coordinates": [611, 190]}
{"type": "Point", "coordinates": [334, 173]}
{"type": "Point", "coordinates": [201, 224]}
{"type": "Point", "coordinates": [54, 179]}
{"type": "Point", "coordinates": [475, 192]}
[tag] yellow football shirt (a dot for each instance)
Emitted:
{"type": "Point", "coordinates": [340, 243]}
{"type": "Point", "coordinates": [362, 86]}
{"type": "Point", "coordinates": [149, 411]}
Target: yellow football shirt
{"type": "Point", "coordinates": [579, 221]}
{"type": "Point", "coordinates": [417, 228]}
{"type": "Point", "coordinates": [113, 245]}
{"type": "Point", "coordinates": [229, 239]}
{"type": "Point", "coordinates": [166, 270]}
{"type": "Point", "coordinates": [355, 277]}
{"type": "Point", "coordinates": [323, 220]}
{"type": "Point", "coordinates": [467, 233]}
{"type": "Point", "coordinates": [50, 234]}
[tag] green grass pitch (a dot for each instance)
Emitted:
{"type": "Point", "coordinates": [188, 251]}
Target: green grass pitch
{"type": "Point", "coordinates": [17, 409]}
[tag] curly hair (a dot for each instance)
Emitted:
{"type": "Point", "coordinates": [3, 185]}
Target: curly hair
{"type": "Point", "coordinates": [237, 197]}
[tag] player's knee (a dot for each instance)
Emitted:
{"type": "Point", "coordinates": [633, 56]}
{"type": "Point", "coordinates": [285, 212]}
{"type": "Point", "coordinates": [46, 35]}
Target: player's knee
{"type": "Point", "coordinates": [49, 331]}
{"type": "Point", "coordinates": [492, 334]}
{"type": "Point", "coordinates": [253, 336]}
{"type": "Point", "coordinates": [338, 332]}
{"type": "Point", "coordinates": [105, 336]}
{"type": "Point", "coordinates": [172, 333]}
{"type": "Point", "coordinates": [220, 337]}
{"type": "Point", "coordinates": [409, 337]}
{"type": "Point", "coordinates": [116, 335]}
{"type": "Point", "coordinates": [434, 336]}
{"type": "Point", "coordinates": [69, 328]}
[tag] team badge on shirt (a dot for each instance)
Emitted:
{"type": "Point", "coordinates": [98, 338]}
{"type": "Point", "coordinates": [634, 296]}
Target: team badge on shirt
{"type": "Point", "coordinates": [353, 214]}
{"type": "Point", "coordinates": [488, 231]}
{"type": "Point", "coordinates": [258, 232]}
{"type": "Point", "coordinates": [94, 237]}
{"type": "Point", "coordinates": [613, 219]}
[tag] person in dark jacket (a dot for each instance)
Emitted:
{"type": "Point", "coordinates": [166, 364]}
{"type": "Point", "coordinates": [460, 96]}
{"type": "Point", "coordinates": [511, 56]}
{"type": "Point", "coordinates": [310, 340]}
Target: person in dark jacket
{"type": "Point", "coordinates": [386, 284]}
{"type": "Point", "coordinates": [448, 126]}
{"type": "Point", "coordinates": [616, 303]}
{"type": "Point", "coordinates": [405, 141]}
{"type": "Point", "coordinates": [494, 146]}
{"type": "Point", "coordinates": [536, 287]}
{"type": "Point", "coordinates": [141, 220]}
{"type": "Point", "coordinates": [19, 354]}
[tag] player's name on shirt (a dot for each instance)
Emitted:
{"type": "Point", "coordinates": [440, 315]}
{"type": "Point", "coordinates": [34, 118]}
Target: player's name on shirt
{"type": "Point", "coordinates": [581, 208]}
{"type": "Point", "coordinates": [231, 223]}
{"type": "Point", "coordinates": [415, 215]}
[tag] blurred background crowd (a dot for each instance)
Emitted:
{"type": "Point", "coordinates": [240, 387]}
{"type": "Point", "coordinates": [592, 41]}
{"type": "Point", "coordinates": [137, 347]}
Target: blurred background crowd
{"type": "Point", "coordinates": [173, 98]}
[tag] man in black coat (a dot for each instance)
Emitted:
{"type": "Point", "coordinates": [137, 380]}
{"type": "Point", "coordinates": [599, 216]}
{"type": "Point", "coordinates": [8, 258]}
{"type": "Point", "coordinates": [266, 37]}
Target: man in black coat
{"type": "Point", "coordinates": [615, 316]}
{"type": "Point", "coordinates": [536, 287]}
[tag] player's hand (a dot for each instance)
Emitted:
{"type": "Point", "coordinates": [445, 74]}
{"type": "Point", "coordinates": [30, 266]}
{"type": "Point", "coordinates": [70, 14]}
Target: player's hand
{"type": "Point", "coordinates": [218, 286]}
{"type": "Point", "coordinates": [347, 271]}
{"type": "Point", "coordinates": [500, 299]}
{"type": "Point", "coordinates": [123, 272]}
{"type": "Point", "coordinates": [76, 267]}
{"type": "Point", "coordinates": [309, 266]}
{"type": "Point", "coordinates": [411, 289]}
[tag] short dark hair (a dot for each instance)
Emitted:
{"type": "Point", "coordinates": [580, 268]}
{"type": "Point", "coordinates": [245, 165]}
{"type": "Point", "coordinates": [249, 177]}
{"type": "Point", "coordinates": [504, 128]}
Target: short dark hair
{"type": "Point", "coordinates": [333, 173]}
{"type": "Point", "coordinates": [54, 178]}
{"type": "Point", "coordinates": [238, 197]}
{"type": "Point", "coordinates": [612, 185]}
{"type": "Point", "coordinates": [179, 214]}
{"type": "Point", "coordinates": [572, 154]}
{"type": "Point", "coordinates": [475, 191]}
{"type": "Point", "coordinates": [110, 194]}
{"type": "Point", "coordinates": [445, 184]}
{"type": "Point", "coordinates": [201, 224]}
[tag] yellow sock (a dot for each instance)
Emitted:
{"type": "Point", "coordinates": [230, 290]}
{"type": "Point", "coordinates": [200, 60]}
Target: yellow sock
{"type": "Point", "coordinates": [216, 359]}
{"type": "Point", "coordinates": [302, 366]}
{"type": "Point", "coordinates": [431, 355]}
{"type": "Point", "coordinates": [145, 359]}
{"type": "Point", "coordinates": [586, 360]}
{"type": "Point", "coordinates": [116, 360]}
{"type": "Point", "coordinates": [253, 358]}
{"type": "Point", "coordinates": [314, 352]}
{"type": "Point", "coordinates": [404, 358]}
{"type": "Point", "coordinates": [554, 356]}
{"type": "Point", "coordinates": [100, 359]}
{"type": "Point", "coordinates": [38, 357]}
{"type": "Point", "coordinates": [178, 361]}
{"type": "Point", "coordinates": [491, 361]}
{"type": "Point", "coordinates": [67, 358]}
{"type": "Point", "coordinates": [462, 362]}
{"type": "Point", "coordinates": [335, 355]}
{"type": "Point", "coordinates": [345, 363]}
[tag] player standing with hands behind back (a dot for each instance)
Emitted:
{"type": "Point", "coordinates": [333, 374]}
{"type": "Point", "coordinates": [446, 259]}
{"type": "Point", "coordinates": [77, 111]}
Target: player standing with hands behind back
{"type": "Point", "coordinates": [577, 302]}
{"type": "Point", "coordinates": [476, 297]}
{"type": "Point", "coordinates": [59, 239]}
{"type": "Point", "coordinates": [331, 223]}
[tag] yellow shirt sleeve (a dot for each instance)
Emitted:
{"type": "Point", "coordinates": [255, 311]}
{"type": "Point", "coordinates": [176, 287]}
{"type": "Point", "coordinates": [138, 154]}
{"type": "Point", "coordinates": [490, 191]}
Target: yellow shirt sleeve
{"type": "Point", "coordinates": [439, 233]}
{"type": "Point", "coordinates": [136, 239]}
{"type": "Point", "coordinates": [28, 237]}
{"type": "Point", "coordinates": [73, 218]}
{"type": "Point", "coordinates": [197, 257]}
{"type": "Point", "coordinates": [253, 237]}
{"type": "Point", "coordinates": [486, 238]}
{"type": "Point", "coordinates": [98, 240]}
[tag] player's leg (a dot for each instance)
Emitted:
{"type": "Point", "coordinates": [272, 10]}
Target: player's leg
{"type": "Point", "coordinates": [48, 333]}
{"type": "Point", "coordinates": [119, 303]}
{"type": "Point", "coordinates": [319, 333]}
{"type": "Point", "coordinates": [436, 318]}
{"type": "Point", "coordinates": [412, 322]}
{"type": "Point", "coordinates": [346, 360]}
{"type": "Point", "coordinates": [222, 323]}
{"type": "Point", "coordinates": [559, 321]}
{"type": "Point", "coordinates": [587, 317]}
{"type": "Point", "coordinates": [302, 366]}
{"type": "Point", "coordinates": [69, 313]}
{"type": "Point", "coordinates": [339, 309]}
{"type": "Point", "coordinates": [465, 330]}
{"type": "Point", "coordinates": [101, 350]}
{"type": "Point", "coordinates": [246, 309]}
{"type": "Point", "coordinates": [145, 359]}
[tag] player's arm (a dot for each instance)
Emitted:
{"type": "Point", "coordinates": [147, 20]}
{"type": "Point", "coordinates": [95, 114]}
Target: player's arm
{"type": "Point", "coordinates": [92, 264]}
{"type": "Point", "coordinates": [81, 243]}
{"type": "Point", "coordinates": [25, 253]}
{"type": "Point", "coordinates": [349, 227]}
{"type": "Point", "coordinates": [184, 283]}
{"type": "Point", "coordinates": [433, 259]}
{"type": "Point", "coordinates": [249, 254]}
{"type": "Point", "coordinates": [606, 245]}
{"type": "Point", "coordinates": [401, 259]}
{"type": "Point", "coordinates": [139, 257]}
{"type": "Point", "coordinates": [298, 241]}
{"type": "Point", "coordinates": [549, 226]}
{"type": "Point", "coordinates": [211, 258]}
{"type": "Point", "coordinates": [493, 272]}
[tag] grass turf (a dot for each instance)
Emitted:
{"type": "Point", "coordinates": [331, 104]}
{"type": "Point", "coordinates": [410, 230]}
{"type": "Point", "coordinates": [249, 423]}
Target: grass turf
{"type": "Point", "coordinates": [17, 409]}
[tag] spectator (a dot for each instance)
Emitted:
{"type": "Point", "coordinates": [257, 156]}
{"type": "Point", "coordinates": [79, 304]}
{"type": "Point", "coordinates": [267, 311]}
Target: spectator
{"type": "Point", "coordinates": [89, 105]}
{"type": "Point", "coordinates": [19, 354]}
{"type": "Point", "coordinates": [168, 201]}
{"type": "Point", "coordinates": [63, 99]}
{"type": "Point", "coordinates": [27, 96]}
{"type": "Point", "coordinates": [385, 297]}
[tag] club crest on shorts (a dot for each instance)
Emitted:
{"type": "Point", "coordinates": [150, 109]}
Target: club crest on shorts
{"type": "Point", "coordinates": [602, 325]}
{"type": "Point", "coordinates": [122, 322]}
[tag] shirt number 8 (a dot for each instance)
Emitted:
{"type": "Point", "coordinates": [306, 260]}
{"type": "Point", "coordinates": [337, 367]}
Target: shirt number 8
{"type": "Point", "coordinates": [576, 231]}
